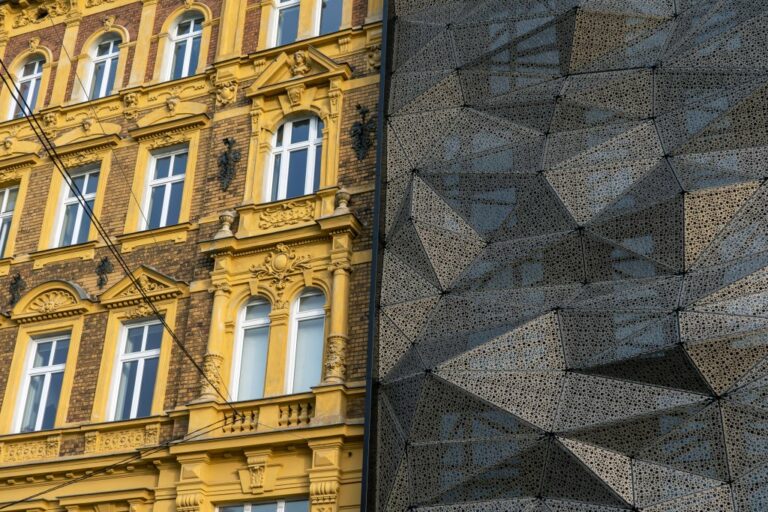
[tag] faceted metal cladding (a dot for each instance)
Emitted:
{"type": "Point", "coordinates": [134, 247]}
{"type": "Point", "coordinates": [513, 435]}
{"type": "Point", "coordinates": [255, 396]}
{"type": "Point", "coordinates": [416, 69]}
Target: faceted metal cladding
{"type": "Point", "coordinates": [574, 302]}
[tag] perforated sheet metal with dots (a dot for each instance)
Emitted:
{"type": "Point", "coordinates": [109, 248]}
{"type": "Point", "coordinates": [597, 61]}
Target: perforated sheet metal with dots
{"type": "Point", "coordinates": [574, 296]}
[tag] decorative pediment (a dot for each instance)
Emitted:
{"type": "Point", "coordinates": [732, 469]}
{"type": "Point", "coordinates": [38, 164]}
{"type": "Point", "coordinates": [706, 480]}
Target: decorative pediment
{"type": "Point", "coordinates": [15, 153]}
{"type": "Point", "coordinates": [53, 299]}
{"type": "Point", "coordinates": [303, 67]}
{"type": "Point", "coordinates": [156, 286]}
{"type": "Point", "coordinates": [175, 110]}
{"type": "Point", "coordinates": [79, 146]}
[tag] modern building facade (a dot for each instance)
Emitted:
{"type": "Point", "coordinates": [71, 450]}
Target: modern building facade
{"type": "Point", "coordinates": [224, 147]}
{"type": "Point", "coordinates": [572, 302]}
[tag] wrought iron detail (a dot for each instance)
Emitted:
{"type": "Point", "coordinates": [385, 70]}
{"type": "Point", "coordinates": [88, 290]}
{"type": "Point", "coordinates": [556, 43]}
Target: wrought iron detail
{"type": "Point", "coordinates": [102, 269]}
{"type": "Point", "coordinates": [15, 288]}
{"type": "Point", "coordinates": [361, 132]}
{"type": "Point", "coordinates": [227, 161]}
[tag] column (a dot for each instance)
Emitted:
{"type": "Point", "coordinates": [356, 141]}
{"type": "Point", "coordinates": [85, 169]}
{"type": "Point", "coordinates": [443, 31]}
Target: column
{"type": "Point", "coordinates": [335, 362]}
{"type": "Point", "coordinates": [141, 51]}
{"type": "Point", "coordinates": [213, 359]}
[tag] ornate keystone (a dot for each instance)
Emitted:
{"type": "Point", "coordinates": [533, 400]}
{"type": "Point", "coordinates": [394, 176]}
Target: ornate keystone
{"type": "Point", "coordinates": [279, 265]}
{"type": "Point", "coordinates": [226, 218]}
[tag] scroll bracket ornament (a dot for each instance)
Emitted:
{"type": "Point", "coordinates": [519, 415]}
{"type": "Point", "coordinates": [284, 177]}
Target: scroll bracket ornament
{"type": "Point", "coordinates": [279, 267]}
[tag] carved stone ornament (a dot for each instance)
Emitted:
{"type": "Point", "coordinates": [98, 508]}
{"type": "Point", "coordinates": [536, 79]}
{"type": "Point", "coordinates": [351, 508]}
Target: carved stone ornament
{"type": "Point", "coordinates": [226, 218]}
{"type": "Point", "coordinates": [295, 94]}
{"type": "Point", "coordinates": [189, 502]}
{"type": "Point", "coordinates": [140, 311]}
{"type": "Point", "coordinates": [300, 63]}
{"type": "Point", "coordinates": [225, 92]}
{"type": "Point", "coordinates": [34, 42]}
{"type": "Point", "coordinates": [168, 139]}
{"type": "Point", "coordinates": [50, 120]}
{"type": "Point", "coordinates": [210, 381]}
{"type": "Point", "coordinates": [94, 3]}
{"type": "Point", "coordinates": [279, 265]}
{"type": "Point", "coordinates": [335, 360]}
{"type": "Point", "coordinates": [131, 100]}
{"type": "Point", "coordinates": [52, 301]}
{"type": "Point", "coordinates": [287, 214]}
{"type": "Point", "coordinates": [26, 451]}
{"type": "Point", "coordinates": [323, 492]}
{"type": "Point", "coordinates": [109, 22]}
{"type": "Point", "coordinates": [147, 284]}
{"type": "Point", "coordinates": [373, 57]}
{"type": "Point", "coordinates": [37, 14]}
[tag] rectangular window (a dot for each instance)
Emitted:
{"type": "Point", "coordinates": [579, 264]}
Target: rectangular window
{"type": "Point", "coordinates": [253, 346]}
{"type": "Point", "coordinates": [136, 370]}
{"type": "Point", "coordinates": [104, 68]}
{"type": "Point", "coordinates": [28, 88]}
{"type": "Point", "coordinates": [330, 16]}
{"type": "Point", "coordinates": [275, 506]}
{"type": "Point", "coordinates": [7, 203]}
{"type": "Point", "coordinates": [166, 186]}
{"type": "Point", "coordinates": [287, 29]}
{"type": "Point", "coordinates": [186, 47]}
{"type": "Point", "coordinates": [74, 223]}
{"type": "Point", "coordinates": [41, 387]}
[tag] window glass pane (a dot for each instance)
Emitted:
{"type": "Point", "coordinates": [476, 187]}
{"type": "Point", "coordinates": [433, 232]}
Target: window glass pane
{"type": "Point", "coordinates": [60, 354]}
{"type": "Point", "coordinates": [85, 225]}
{"type": "Point", "coordinates": [309, 354]}
{"type": "Point", "coordinates": [133, 340]}
{"type": "Point", "coordinates": [276, 178]}
{"type": "Point", "coordinates": [177, 69]}
{"type": "Point", "coordinates": [198, 24]}
{"type": "Point", "coordinates": [29, 68]}
{"type": "Point", "coordinates": [79, 183]}
{"type": "Point", "coordinates": [68, 224]}
{"type": "Point", "coordinates": [52, 400]}
{"type": "Point", "coordinates": [330, 16]}
{"type": "Point", "coordinates": [23, 92]}
{"type": "Point", "coordinates": [104, 49]}
{"type": "Point", "coordinates": [125, 390]}
{"type": "Point", "coordinates": [162, 166]}
{"type": "Point", "coordinates": [111, 77]}
{"type": "Point", "coordinates": [309, 302]}
{"type": "Point", "coordinates": [297, 506]}
{"type": "Point", "coordinates": [11, 202]}
{"type": "Point", "coordinates": [300, 131]}
{"type": "Point", "coordinates": [98, 76]}
{"type": "Point", "coordinates": [318, 164]}
{"type": "Point", "coordinates": [194, 57]}
{"type": "Point", "coordinates": [320, 127]}
{"type": "Point", "coordinates": [184, 27]}
{"type": "Point", "coordinates": [257, 311]}
{"type": "Point", "coordinates": [155, 206]}
{"type": "Point", "coordinates": [180, 164]}
{"type": "Point", "coordinates": [264, 507]}
{"type": "Point", "coordinates": [297, 172]}
{"type": "Point", "coordinates": [287, 25]}
{"type": "Point", "coordinates": [35, 89]}
{"type": "Point", "coordinates": [32, 404]}
{"type": "Point", "coordinates": [42, 354]}
{"type": "Point", "coordinates": [5, 226]}
{"type": "Point", "coordinates": [253, 363]}
{"type": "Point", "coordinates": [174, 206]}
{"type": "Point", "coordinates": [154, 336]}
{"type": "Point", "coordinates": [147, 387]}
{"type": "Point", "coordinates": [279, 137]}
{"type": "Point", "coordinates": [92, 184]}
{"type": "Point", "coordinates": [232, 508]}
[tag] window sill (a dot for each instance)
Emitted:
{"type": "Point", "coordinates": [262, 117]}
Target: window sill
{"type": "Point", "coordinates": [84, 252]}
{"type": "Point", "coordinates": [176, 234]}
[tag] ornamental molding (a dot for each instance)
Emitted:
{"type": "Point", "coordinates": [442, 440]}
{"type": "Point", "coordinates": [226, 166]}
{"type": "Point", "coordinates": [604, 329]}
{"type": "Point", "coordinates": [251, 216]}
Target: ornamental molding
{"type": "Point", "coordinates": [158, 127]}
{"type": "Point", "coordinates": [122, 440]}
{"type": "Point", "coordinates": [280, 266]}
{"type": "Point", "coordinates": [287, 214]}
{"type": "Point", "coordinates": [54, 299]}
{"type": "Point", "coordinates": [30, 16]}
{"type": "Point", "coordinates": [323, 492]}
{"type": "Point", "coordinates": [26, 451]}
{"type": "Point", "coordinates": [155, 285]}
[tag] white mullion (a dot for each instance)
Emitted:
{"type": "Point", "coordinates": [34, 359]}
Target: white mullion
{"type": "Point", "coordinates": [187, 53]}
{"type": "Point", "coordinates": [309, 174]}
{"type": "Point", "coordinates": [43, 400]}
{"type": "Point", "coordinates": [137, 388]}
{"type": "Point", "coordinates": [166, 200]}
{"type": "Point", "coordinates": [104, 77]}
{"type": "Point", "coordinates": [78, 221]}
{"type": "Point", "coordinates": [280, 506]}
{"type": "Point", "coordinates": [4, 202]}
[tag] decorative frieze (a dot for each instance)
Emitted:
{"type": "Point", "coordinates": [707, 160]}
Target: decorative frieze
{"type": "Point", "coordinates": [26, 451]}
{"type": "Point", "coordinates": [122, 440]}
{"type": "Point", "coordinates": [287, 214]}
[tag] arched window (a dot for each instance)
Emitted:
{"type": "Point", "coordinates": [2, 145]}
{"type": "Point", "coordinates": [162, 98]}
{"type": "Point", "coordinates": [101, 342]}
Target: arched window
{"type": "Point", "coordinates": [186, 37]}
{"type": "Point", "coordinates": [28, 85]}
{"type": "Point", "coordinates": [105, 56]}
{"type": "Point", "coordinates": [250, 354]}
{"type": "Point", "coordinates": [305, 350]}
{"type": "Point", "coordinates": [297, 148]}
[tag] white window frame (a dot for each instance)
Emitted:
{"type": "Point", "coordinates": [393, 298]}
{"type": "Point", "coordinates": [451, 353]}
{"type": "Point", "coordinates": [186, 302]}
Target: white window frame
{"type": "Point", "coordinates": [30, 372]}
{"type": "Point", "coordinates": [247, 507]}
{"type": "Point", "coordinates": [166, 182]}
{"type": "Point", "coordinates": [174, 39]}
{"type": "Point", "coordinates": [5, 193]}
{"type": "Point", "coordinates": [280, 5]}
{"type": "Point", "coordinates": [293, 332]}
{"type": "Point", "coordinates": [121, 358]}
{"type": "Point", "coordinates": [244, 325]}
{"type": "Point", "coordinates": [110, 60]}
{"type": "Point", "coordinates": [315, 139]}
{"type": "Point", "coordinates": [34, 80]}
{"type": "Point", "coordinates": [65, 201]}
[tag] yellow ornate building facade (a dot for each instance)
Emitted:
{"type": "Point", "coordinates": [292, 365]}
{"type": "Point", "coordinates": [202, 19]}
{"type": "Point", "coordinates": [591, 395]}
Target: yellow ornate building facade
{"type": "Point", "coordinates": [225, 148]}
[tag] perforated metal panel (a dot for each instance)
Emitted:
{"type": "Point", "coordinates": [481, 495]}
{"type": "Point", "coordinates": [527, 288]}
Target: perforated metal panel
{"type": "Point", "coordinates": [574, 283]}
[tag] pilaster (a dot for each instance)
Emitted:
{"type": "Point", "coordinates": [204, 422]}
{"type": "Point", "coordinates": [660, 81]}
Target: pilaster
{"type": "Point", "coordinates": [141, 51]}
{"type": "Point", "coordinates": [64, 65]}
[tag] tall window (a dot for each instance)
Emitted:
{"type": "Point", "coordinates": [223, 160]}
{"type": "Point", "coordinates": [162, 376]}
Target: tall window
{"type": "Point", "coordinates": [137, 370]}
{"type": "Point", "coordinates": [296, 158]}
{"type": "Point", "coordinates": [41, 388]}
{"type": "Point", "coordinates": [7, 203]}
{"type": "Point", "coordinates": [29, 87]}
{"type": "Point", "coordinates": [104, 68]}
{"type": "Point", "coordinates": [252, 346]}
{"type": "Point", "coordinates": [279, 506]}
{"type": "Point", "coordinates": [286, 22]}
{"type": "Point", "coordinates": [73, 221]}
{"type": "Point", "coordinates": [186, 46]}
{"type": "Point", "coordinates": [330, 16]}
{"type": "Point", "coordinates": [166, 186]}
{"type": "Point", "coordinates": [307, 341]}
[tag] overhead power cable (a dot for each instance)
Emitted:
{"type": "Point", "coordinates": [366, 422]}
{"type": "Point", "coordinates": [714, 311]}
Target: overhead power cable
{"type": "Point", "coordinates": [50, 149]}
